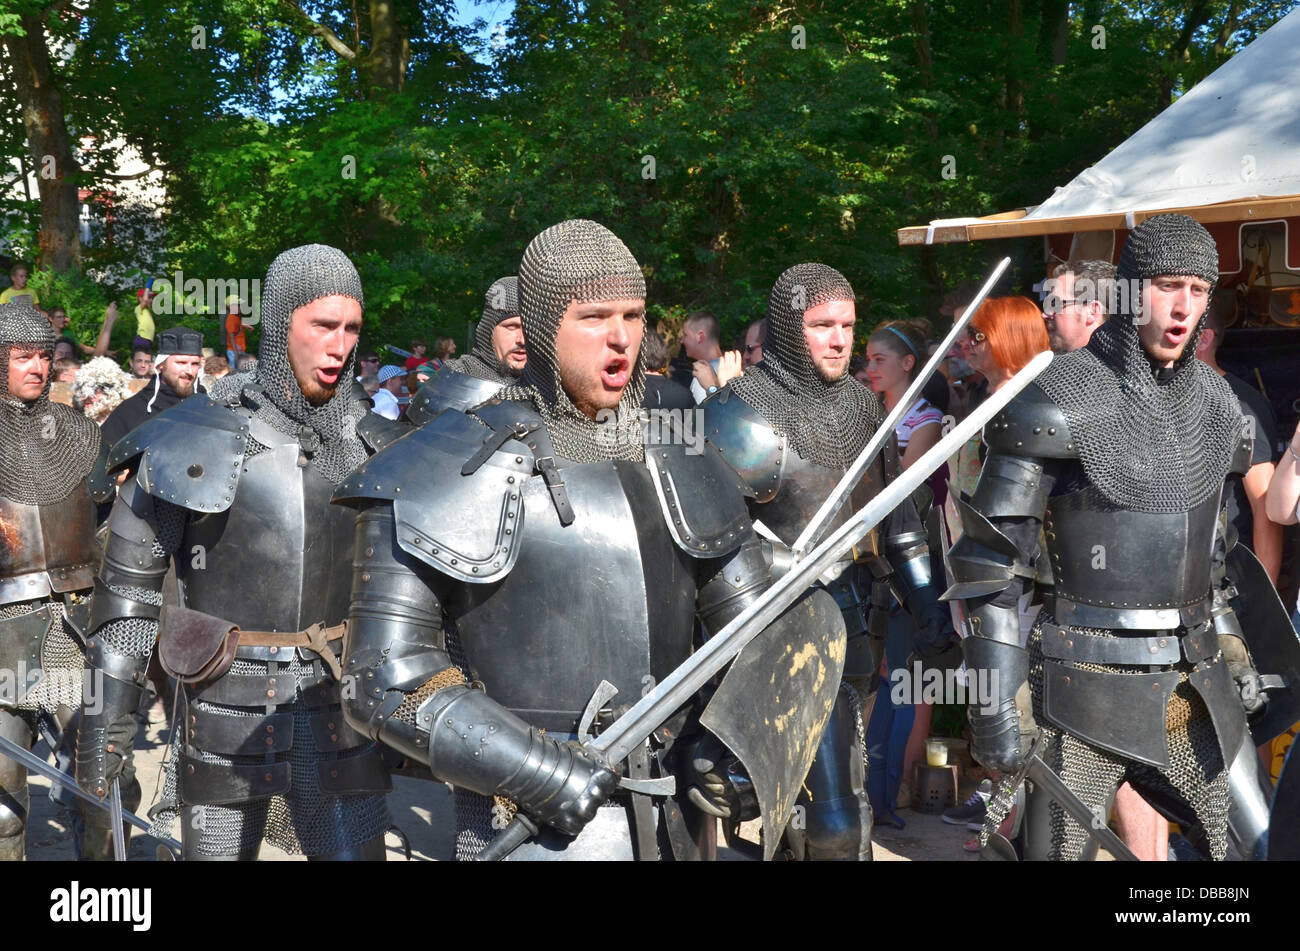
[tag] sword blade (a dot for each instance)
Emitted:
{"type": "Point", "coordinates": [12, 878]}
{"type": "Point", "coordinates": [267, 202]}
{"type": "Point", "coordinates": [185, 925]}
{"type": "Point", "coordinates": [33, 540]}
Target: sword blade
{"type": "Point", "coordinates": [817, 525]}
{"type": "Point", "coordinates": [115, 813]}
{"type": "Point", "coordinates": [35, 764]}
{"type": "Point", "coordinates": [647, 714]}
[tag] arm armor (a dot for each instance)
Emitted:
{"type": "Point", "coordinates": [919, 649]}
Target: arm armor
{"type": "Point", "coordinates": [991, 564]}
{"type": "Point", "coordinates": [907, 551]}
{"type": "Point", "coordinates": [401, 688]}
{"type": "Point", "coordinates": [121, 631]}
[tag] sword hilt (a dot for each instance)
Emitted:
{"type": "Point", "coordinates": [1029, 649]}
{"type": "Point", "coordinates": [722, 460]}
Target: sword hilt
{"type": "Point", "coordinates": [520, 830]}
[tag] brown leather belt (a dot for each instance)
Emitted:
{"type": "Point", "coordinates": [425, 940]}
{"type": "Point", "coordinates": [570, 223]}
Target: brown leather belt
{"type": "Point", "coordinates": [315, 638]}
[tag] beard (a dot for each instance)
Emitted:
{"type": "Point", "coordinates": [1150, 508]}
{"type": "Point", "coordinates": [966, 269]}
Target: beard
{"type": "Point", "coordinates": [507, 371]}
{"type": "Point", "coordinates": [830, 376]}
{"type": "Point", "coordinates": [315, 393]}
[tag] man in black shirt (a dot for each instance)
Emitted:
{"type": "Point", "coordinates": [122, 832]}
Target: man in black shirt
{"type": "Point", "coordinates": [178, 364]}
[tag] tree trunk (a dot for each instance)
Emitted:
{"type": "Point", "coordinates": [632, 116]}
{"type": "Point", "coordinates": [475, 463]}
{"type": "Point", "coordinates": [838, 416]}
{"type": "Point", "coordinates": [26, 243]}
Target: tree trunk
{"type": "Point", "coordinates": [383, 69]}
{"type": "Point", "coordinates": [51, 150]}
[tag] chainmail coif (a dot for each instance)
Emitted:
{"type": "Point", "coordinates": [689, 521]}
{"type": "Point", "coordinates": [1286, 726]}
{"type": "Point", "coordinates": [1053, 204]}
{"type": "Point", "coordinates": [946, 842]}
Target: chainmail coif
{"type": "Point", "coordinates": [48, 448]}
{"type": "Point", "coordinates": [500, 303]}
{"type": "Point", "coordinates": [1150, 440]}
{"type": "Point", "coordinates": [327, 432]}
{"type": "Point", "coordinates": [826, 423]}
{"type": "Point", "coordinates": [582, 261]}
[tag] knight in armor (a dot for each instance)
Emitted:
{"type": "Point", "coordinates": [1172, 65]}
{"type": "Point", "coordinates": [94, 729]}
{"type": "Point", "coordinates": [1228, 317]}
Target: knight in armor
{"type": "Point", "coordinates": [231, 490]}
{"type": "Point", "coordinates": [1135, 669]}
{"type": "Point", "coordinates": [496, 360]}
{"type": "Point", "coordinates": [512, 557]}
{"type": "Point", "coordinates": [791, 427]}
{"type": "Point", "coordinates": [47, 554]}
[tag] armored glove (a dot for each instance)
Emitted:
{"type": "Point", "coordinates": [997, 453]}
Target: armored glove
{"type": "Point", "coordinates": [719, 785]}
{"type": "Point", "coordinates": [1244, 674]}
{"type": "Point", "coordinates": [1003, 730]}
{"type": "Point", "coordinates": [561, 784]}
{"type": "Point", "coordinates": [108, 726]}
{"type": "Point", "coordinates": [477, 744]}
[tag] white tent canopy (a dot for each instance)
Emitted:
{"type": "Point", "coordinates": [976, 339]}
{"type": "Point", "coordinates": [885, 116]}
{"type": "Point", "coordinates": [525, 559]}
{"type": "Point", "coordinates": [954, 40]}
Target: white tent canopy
{"type": "Point", "coordinates": [1233, 138]}
{"type": "Point", "coordinates": [1234, 135]}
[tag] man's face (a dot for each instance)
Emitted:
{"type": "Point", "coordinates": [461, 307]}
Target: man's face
{"type": "Point", "coordinates": [596, 348]}
{"type": "Point", "coordinates": [179, 372]}
{"type": "Point", "coordinates": [419, 350]}
{"type": "Point", "coordinates": [19, 276]}
{"type": "Point", "coordinates": [368, 366]}
{"type": "Point", "coordinates": [393, 385]}
{"type": "Point", "coordinates": [828, 331]}
{"type": "Point", "coordinates": [28, 371]}
{"type": "Point", "coordinates": [321, 335]}
{"type": "Point", "coordinates": [1172, 305]}
{"type": "Point", "coordinates": [141, 364]}
{"type": "Point", "coordinates": [753, 345]}
{"type": "Point", "coordinates": [1070, 321]}
{"type": "Point", "coordinates": [58, 319]}
{"type": "Point", "coordinates": [695, 343]}
{"type": "Point", "coordinates": [508, 342]}
{"type": "Point", "coordinates": [64, 351]}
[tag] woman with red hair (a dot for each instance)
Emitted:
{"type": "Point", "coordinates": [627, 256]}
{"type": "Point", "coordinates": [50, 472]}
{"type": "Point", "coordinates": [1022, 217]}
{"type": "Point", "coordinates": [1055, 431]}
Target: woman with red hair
{"type": "Point", "coordinates": [1004, 335]}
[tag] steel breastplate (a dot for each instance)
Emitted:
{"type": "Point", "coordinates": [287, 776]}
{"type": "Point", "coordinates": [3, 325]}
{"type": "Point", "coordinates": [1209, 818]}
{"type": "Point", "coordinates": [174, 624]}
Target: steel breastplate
{"type": "Point", "coordinates": [280, 557]}
{"type": "Point", "coordinates": [1116, 558]}
{"type": "Point", "coordinates": [609, 597]}
{"type": "Point", "coordinates": [47, 548]}
{"type": "Point", "coordinates": [804, 486]}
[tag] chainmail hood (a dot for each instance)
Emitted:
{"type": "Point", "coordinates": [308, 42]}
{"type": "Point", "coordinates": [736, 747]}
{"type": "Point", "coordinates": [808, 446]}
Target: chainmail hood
{"type": "Point", "coordinates": [48, 448]}
{"type": "Point", "coordinates": [500, 302]}
{"type": "Point", "coordinates": [826, 423]}
{"type": "Point", "coordinates": [576, 260]}
{"type": "Point", "coordinates": [1151, 440]}
{"type": "Point", "coordinates": [326, 432]}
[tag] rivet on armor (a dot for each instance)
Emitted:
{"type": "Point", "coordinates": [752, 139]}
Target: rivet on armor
{"type": "Point", "coordinates": [510, 514]}
{"type": "Point", "coordinates": [1037, 430]}
{"type": "Point", "coordinates": [271, 681]}
{"type": "Point", "coordinates": [1069, 643]}
{"type": "Point", "coordinates": [474, 570]}
{"type": "Point", "coordinates": [268, 777]}
{"type": "Point", "coordinates": [334, 738]}
{"type": "Point", "coordinates": [519, 458]}
{"type": "Point", "coordinates": [511, 480]}
{"type": "Point", "coordinates": [270, 693]}
{"type": "Point", "coordinates": [1066, 681]}
{"type": "Point", "coordinates": [1156, 686]}
{"type": "Point", "coordinates": [270, 729]}
{"type": "Point", "coordinates": [455, 561]}
{"type": "Point", "coordinates": [365, 576]}
{"type": "Point", "coordinates": [269, 741]}
{"type": "Point", "coordinates": [275, 650]}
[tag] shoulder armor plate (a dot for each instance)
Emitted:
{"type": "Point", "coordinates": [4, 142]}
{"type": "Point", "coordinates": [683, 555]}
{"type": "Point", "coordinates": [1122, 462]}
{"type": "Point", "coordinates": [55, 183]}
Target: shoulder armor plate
{"type": "Point", "coordinates": [466, 526]}
{"type": "Point", "coordinates": [1031, 425]}
{"type": "Point", "coordinates": [379, 432]}
{"type": "Point", "coordinates": [190, 455]}
{"type": "Point", "coordinates": [747, 441]}
{"type": "Point", "coordinates": [446, 390]}
{"type": "Point", "coordinates": [703, 498]}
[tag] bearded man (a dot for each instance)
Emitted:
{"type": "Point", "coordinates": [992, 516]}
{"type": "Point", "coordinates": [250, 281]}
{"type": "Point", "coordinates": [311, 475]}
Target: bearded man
{"type": "Point", "coordinates": [47, 552]}
{"type": "Point", "coordinates": [232, 489]}
{"type": "Point", "coordinates": [511, 558]}
{"type": "Point", "coordinates": [497, 359]}
{"type": "Point", "coordinates": [792, 426]}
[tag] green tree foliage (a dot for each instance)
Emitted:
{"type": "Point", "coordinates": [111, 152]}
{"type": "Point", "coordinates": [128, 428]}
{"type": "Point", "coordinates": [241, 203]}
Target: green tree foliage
{"type": "Point", "coordinates": [723, 141]}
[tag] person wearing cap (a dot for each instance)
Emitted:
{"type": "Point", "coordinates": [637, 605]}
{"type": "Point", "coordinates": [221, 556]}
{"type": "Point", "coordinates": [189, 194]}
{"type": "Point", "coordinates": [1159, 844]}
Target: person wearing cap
{"type": "Point", "coordinates": [177, 366]}
{"type": "Point", "coordinates": [390, 387]}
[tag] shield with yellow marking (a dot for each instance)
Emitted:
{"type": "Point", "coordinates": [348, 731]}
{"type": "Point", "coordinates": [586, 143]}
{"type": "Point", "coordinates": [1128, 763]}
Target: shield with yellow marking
{"type": "Point", "coordinates": [774, 702]}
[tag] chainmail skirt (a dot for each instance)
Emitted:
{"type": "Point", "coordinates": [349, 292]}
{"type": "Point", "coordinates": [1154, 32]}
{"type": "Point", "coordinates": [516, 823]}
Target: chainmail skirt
{"type": "Point", "coordinates": [63, 663]}
{"type": "Point", "coordinates": [1194, 788]}
{"type": "Point", "coordinates": [304, 821]}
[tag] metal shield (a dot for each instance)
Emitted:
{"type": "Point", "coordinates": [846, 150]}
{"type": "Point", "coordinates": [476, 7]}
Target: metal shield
{"type": "Point", "coordinates": [774, 702]}
{"type": "Point", "coordinates": [1274, 646]}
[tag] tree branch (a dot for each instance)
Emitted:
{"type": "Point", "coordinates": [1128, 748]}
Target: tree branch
{"type": "Point", "coordinates": [319, 29]}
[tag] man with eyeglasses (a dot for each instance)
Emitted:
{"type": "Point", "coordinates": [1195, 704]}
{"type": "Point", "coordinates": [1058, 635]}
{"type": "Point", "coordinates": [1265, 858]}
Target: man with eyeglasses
{"type": "Point", "coordinates": [1075, 303]}
{"type": "Point", "coordinates": [752, 351]}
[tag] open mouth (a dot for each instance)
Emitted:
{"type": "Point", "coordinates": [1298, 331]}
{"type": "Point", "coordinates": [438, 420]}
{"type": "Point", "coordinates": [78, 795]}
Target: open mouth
{"type": "Point", "coordinates": [328, 375]}
{"type": "Point", "coordinates": [615, 373]}
{"type": "Point", "coordinates": [1175, 335]}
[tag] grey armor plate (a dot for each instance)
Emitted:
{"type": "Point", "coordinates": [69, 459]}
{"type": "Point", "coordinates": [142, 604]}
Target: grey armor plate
{"type": "Point", "coordinates": [47, 548]}
{"type": "Point", "coordinates": [446, 390]}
